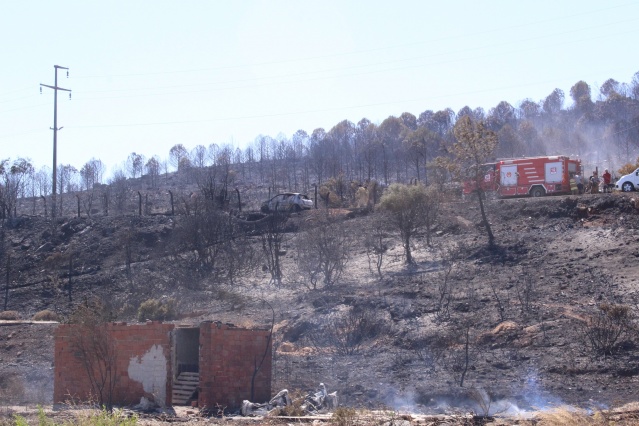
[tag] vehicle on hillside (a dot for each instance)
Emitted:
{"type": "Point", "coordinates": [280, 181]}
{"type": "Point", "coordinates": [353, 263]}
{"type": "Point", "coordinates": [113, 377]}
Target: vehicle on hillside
{"type": "Point", "coordinates": [629, 182]}
{"type": "Point", "coordinates": [488, 184]}
{"type": "Point", "coordinates": [531, 176]}
{"type": "Point", "coordinates": [288, 201]}
{"type": "Point", "coordinates": [536, 176]}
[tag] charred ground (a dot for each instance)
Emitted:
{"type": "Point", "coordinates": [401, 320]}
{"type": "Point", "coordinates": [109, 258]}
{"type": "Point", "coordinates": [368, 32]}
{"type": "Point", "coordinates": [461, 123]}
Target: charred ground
{"type": "Point", "coordinates": [511, 319]}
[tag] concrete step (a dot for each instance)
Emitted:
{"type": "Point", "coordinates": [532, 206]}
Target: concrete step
{"type": "Point", "coordinates": [184, 387]}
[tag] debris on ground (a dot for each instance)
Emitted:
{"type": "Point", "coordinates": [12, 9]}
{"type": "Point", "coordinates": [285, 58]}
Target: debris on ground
{"type": "Point", "coordinates": [313, 403]}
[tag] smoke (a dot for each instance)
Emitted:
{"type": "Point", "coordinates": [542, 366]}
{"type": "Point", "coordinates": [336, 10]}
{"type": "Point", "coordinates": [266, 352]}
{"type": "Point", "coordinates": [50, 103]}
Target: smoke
{"type": "Point", "coordinates": [530, 397]}
{"type": "Point", "coordinates": [535, 396]}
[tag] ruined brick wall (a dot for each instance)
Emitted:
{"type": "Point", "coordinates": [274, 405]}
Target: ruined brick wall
{"type": "Point", "coordinates": [227, 361]}
{"type": "Point", "coordinates": [142, 363]}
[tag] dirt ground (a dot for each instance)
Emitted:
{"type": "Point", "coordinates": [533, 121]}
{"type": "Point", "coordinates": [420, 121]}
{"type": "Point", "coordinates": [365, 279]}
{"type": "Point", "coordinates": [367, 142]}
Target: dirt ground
{"type": "Point", "coordinates": [523, 304]}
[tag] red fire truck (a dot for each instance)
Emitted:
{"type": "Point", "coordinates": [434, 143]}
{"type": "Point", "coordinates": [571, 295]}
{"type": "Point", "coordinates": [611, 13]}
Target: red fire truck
{"type": "Point", "coordinates": [533, 176]}
{"type": "Point", "coordinates": [488, 184]}
{"type": "Point", "coordinates": [536, 176]}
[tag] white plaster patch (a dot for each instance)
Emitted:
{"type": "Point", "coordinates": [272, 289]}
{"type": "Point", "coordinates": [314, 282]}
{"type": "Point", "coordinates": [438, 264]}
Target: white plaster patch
{"type": "Point", "coordinates": [150, 371]}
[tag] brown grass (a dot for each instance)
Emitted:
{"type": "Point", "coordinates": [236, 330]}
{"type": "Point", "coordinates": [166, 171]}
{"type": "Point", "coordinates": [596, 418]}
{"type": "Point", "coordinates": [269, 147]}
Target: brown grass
{"type": "Point", "coordinates": [45, 315]}
{"type": "Point", "coordinates": [571, 416]}
{"type": "Point", "coordinates": [9, 315]}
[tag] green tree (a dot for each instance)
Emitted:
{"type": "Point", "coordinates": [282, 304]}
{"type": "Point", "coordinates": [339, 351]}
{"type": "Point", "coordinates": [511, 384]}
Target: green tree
{"type": "Point", "coordinates": [153, 167]}
{"type": "Point", "coordinates": [408, 207]}
{"type": "Point", "coordinates": [580, 94]}
{"type": "Point", "coordinates": [475, 146]}
{"type": "Point", "coordinates": [553, 102]}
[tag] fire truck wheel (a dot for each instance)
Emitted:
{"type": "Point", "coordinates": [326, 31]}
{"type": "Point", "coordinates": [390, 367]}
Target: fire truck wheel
{"type": "Point", "coordinates": [627, 187]}
{"type": "Point", "coordinates": [537, 191]}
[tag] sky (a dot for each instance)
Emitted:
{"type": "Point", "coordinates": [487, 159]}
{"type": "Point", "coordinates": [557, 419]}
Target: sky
{"type": "Point", "coordinates": [147, 75]}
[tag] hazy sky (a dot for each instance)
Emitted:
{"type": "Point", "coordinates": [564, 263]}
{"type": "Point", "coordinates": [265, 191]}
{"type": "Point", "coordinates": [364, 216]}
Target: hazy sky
{"type": "Point", "coordinates": [147, 75]}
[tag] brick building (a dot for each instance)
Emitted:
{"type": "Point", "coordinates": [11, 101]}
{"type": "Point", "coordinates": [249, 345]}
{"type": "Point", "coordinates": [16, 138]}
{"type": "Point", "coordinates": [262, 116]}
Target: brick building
{"type": "Point", "coordinates": [213, 364]}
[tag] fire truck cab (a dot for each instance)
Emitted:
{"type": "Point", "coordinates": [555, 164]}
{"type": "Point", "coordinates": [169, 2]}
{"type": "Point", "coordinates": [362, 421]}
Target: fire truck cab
{"type": "Point", "coordinates": [488, 184]}
{"type": "Point", "coordinates": [536, 176]}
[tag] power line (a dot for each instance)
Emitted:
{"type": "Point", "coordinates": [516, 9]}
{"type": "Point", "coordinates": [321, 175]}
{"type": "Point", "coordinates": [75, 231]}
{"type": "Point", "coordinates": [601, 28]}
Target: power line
{"type": "Point", "coordinates": [357, 52]}
{"type": "Point", "coordinates": [258, 80]}
{"type": "Point", "coordinates": [55, 130]}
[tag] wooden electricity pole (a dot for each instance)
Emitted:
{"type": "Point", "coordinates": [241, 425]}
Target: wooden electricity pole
{"type": "Point", "coordinates": [55, 131]}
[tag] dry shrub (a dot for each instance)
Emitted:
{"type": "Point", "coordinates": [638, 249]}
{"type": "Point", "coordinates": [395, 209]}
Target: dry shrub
{"type": "Point", "coordinates": [344, 416]}
{"type": "Point", "coordinates": [570, 416]}
{"type": "Point", "coordinates": [45, 315]}
{"type": "Point", "coordinates": [295, 408]}
{"type": "Point", "coordinates": [9, 315]}
{"type": "Point", "coordinates": [157, 310]}
{"type": "Point", "coordinates": [91, 313]}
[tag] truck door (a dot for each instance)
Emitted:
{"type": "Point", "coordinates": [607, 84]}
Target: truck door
{"type": "Point", "coordinates": [554, 172]}
{"type": "Point", "coordinates": [508, 175]}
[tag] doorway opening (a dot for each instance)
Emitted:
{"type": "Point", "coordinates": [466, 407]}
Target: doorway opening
{"type": "Point", "coordinates": [186, 368]}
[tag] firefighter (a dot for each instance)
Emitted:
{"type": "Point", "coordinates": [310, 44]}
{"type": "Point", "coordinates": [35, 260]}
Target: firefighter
{"type": "Point", "coordinates": [573, 185]}
{"type": "Point", "coordinates": [580, 183]}
{"type": "Point", "coordinates": [607, 178]}
{"type": "Point", "coordinates": [594, 183]}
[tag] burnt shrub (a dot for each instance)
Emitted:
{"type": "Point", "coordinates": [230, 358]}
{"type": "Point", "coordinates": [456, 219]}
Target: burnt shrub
{"type": "Point", "coordinates": [346, 333]}
{"type": "Point", "coordinates": [604, 330]}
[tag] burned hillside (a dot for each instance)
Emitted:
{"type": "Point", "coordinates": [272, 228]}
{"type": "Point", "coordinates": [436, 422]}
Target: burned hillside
{"type": "Point", "coordinates": [547, 315]}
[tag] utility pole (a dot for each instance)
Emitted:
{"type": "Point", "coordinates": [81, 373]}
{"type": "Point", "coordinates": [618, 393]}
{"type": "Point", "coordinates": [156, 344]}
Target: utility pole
{"type": "Point", "coordinates": [55, 131]}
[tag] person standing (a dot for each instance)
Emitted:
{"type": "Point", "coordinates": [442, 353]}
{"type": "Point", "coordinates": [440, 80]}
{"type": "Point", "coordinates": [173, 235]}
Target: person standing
{"type": "Point", "coordinates": [594, 183]}
{"type": "Point", "coordinates": [607, 178]}
{"type": "Point", "coordinates": [580, 183]}
{"type": "Point", "coordinates": [573, 185]}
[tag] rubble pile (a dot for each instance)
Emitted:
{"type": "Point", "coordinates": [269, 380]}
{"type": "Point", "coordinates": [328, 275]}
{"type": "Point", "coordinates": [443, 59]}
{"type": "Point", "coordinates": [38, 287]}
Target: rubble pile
{"type": "Point", "coordinates": [312, 404]}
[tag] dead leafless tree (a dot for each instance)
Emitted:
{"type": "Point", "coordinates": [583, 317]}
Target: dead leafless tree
{"type": "Point", "coordinates": [95, 347]}
{"type": "Point", "coordinates": [501, 308]}
{"type": "Point", "coordinates": [87, 202]}
{"type": "Point", "coordinates": [272, 239]}
{"type": "Point", "coordinates": [120, 186]}
{"type": "Point", "coordinates": [462, 346]}
{"type": "Point", "coordinates": [375, 235]}
{"type": "Point", "coordinates": [324, 252]}
{"type": "Point", "coordinates": [525, 290]}
{"type": "Point", "coordinates": [238, 258]}
{"type": "Point", "coordinates": [449, 258]}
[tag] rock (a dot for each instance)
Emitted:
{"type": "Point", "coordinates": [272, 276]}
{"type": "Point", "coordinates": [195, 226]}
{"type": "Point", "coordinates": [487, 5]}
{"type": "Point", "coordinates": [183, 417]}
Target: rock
{"type": "Point", "coordinates": [287, 347]}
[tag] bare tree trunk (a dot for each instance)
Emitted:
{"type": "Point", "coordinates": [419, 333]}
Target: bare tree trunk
{"type": "Point", "coordinates": [489, 231]}
{"type": "Point", "coordinates": [45, 205]}
{"type": "Point", "coordinates": [407, 251]}
{"type": "Point", "coordinates": [466, 356]}
{"type": "Point", "coordinates": [6, 288]}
